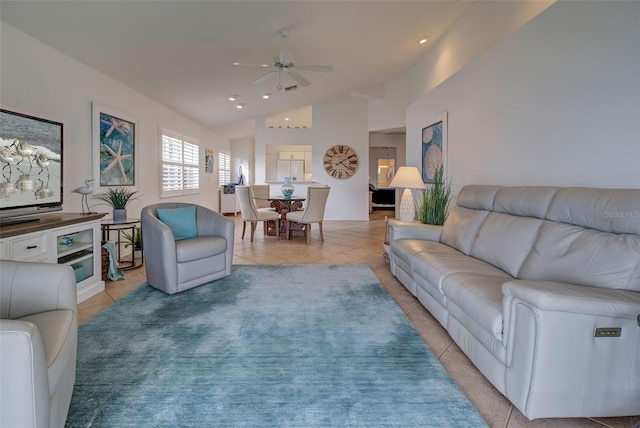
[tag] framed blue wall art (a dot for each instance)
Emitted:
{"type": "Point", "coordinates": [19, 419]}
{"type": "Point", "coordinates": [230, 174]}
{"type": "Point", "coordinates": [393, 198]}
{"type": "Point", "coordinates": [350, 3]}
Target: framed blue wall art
{"type": "Point", "coordinates": [434, 147]}
{"type": "Point", "coordinates": [114, 145]}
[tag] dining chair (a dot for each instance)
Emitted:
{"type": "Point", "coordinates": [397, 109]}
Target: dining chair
{"type": "Point", "coordinates": [250, 213]}
{"type": "Point", "coordinates": [312, 213]}
{"type": "Point", "coordinates": [262, 192]}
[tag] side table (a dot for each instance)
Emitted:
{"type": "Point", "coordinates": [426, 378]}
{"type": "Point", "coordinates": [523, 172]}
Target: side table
{"type": "Point", "coordinates": [130, 226]}
{"type": "Point", "coordinates": [385, 244]}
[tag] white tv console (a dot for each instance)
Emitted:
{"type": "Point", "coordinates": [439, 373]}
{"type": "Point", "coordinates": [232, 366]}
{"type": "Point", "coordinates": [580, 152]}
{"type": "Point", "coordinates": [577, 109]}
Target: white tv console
{"type": "Point", "coordinates": [65, 238]}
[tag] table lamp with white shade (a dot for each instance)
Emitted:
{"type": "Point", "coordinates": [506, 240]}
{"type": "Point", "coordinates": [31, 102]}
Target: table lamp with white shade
{"type": "Point", "coordinates": [408, 177]}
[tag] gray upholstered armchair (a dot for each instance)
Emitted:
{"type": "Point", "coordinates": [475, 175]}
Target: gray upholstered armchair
{"type": "Point", "coordinates": [38, 343]}
{"type": "Point", "coordinates": [177, 265]}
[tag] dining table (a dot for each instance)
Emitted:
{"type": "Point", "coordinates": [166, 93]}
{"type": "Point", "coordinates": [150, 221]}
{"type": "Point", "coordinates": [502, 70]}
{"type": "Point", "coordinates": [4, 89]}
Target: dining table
{"type": "Point", "coordinates": [282, 205]}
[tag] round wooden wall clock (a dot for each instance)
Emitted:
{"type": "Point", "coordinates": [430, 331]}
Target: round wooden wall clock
{"type": "Point", "coordinates": [341, 162]}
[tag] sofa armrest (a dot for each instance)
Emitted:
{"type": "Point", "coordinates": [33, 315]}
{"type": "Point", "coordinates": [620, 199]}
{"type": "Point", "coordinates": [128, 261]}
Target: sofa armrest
{"type": "Point", "coordinates": [25, 387]}
{"type": "Point", "coordinates": [411, 230]}
{"type": "Point", "coordinates": [562, 298]}
{"type": "Point", "coordinates": [29, 288]}
{"type": "Point", "coordinates": [556, 359]}
{"type": "Point", "coordinates": [579, 299]}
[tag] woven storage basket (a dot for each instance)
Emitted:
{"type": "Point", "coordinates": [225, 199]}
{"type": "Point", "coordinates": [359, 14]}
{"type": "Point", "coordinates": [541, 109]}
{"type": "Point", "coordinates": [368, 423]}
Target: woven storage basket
{"type": "Point", "coordinates": [104, 262]}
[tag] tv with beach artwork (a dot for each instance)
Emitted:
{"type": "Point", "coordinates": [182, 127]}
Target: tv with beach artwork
{"type": "Point", "coordinates": [31, 164]}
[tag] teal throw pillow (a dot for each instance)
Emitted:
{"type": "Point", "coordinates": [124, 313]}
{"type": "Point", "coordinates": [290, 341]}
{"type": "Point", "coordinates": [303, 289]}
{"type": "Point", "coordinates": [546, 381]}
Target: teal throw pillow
{"type": "Point", "coordinates": [181, 221]}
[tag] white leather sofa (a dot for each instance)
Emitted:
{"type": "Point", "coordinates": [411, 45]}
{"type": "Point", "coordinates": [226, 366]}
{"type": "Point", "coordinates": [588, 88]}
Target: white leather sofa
{"type": "Point", "coordinates": [524, 279]}
{"type": "Point", "coordinates": [38, 343]}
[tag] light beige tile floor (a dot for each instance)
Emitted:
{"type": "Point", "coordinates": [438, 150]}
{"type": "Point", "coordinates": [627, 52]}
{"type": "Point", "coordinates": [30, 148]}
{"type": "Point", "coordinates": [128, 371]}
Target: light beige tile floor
{"type": "Point", "coordinates": [360, 242]}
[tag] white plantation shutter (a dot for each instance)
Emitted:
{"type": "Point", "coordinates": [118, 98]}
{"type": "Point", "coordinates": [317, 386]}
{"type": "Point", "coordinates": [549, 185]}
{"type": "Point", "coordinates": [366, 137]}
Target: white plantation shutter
{"type": "Point", "coordinates": [191, 168]}
{"type": "Point", "coordinates": [224, 168]}
{"type": "Point", "coordinates": [180, 165]}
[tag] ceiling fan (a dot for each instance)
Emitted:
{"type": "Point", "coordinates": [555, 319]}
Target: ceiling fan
{"type": "Point", "coordinates": [284, 64]}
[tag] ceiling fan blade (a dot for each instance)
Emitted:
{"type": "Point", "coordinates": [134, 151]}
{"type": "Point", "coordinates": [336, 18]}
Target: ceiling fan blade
{"type": "Point", "coordinates": [324, 68]}
{"type": "Point", "coordinates": [265, 77]}
{"type": "Point", "coordinates": [246, 64]}
{"type": "Point", "coordinates": [298, 78]}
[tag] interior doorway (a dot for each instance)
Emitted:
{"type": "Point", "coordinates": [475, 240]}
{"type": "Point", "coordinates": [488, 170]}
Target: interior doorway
{"type": "Point", "coordinates": [386, 171]}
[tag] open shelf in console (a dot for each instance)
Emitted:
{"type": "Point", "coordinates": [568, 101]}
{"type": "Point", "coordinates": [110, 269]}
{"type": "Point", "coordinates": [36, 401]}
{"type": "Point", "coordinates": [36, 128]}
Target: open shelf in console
{"type": "Point", "coordinates": [75, 247]}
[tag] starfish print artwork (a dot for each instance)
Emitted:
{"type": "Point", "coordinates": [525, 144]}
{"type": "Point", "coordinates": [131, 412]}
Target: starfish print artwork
{"type": "Point", "coordinates": [117, 142]}
{"type": "Point", "coordinates": [118, 157]}
{"type": "Point", "coordinates": [114, 125]}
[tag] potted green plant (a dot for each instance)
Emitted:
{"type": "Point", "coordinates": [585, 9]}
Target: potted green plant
{"type": "Point", "coordinates": [133, 241]}
{"type": "Point", "coordinates": [435, 200]}
{"type": "Point", "coordinates": [118, 198]}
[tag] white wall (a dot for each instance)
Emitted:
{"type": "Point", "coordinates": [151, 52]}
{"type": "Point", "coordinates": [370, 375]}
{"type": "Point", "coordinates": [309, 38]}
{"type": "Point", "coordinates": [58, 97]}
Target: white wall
{"type": "Point", "coordinates": [40, 81]}
{"type": "Point", "coordinates": [480, 27]}
{"type": "Point", "coordinates": [339, 121]}
{"type": "Point", "coordinates": [555, 103]}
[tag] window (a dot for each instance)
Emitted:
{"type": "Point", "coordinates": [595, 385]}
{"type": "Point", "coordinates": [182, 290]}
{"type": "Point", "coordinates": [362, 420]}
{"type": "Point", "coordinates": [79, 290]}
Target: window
{"type": "Point", "coordinates": [180, 165]}
{"type": "Point", "coordinates": [224, 168]}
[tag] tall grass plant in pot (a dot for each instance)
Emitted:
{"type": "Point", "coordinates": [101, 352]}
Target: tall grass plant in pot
{"type": "Point", "coordinates": [118, 198]}
{"type": "Point", "coordinates": [133, 240]}
{"type": "Point", "coordinates": [435, 200]}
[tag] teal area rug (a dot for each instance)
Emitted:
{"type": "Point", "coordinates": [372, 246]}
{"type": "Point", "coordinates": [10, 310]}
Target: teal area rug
{"type": "Point", "coordinates": [268, 346]}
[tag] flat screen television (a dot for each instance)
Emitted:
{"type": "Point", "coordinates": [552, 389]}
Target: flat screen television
{"type": "Point", "coordinates": [31, 163]}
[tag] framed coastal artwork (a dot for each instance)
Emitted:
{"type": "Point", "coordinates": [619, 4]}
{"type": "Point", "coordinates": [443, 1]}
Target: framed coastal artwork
{"type": "Point", "coordinates": [434, 147]}
{"type": "Point", "coordinates": [208, 160]}
{"type": "Point", "coordinates": [114, 146]}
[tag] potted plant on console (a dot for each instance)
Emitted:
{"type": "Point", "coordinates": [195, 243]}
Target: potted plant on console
{"type": "Point", "coordinates": [118, 198]}
{"type": "Point", "coordinates": [435, 200]}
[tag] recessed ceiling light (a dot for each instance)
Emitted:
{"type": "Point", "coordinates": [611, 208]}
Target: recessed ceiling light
{"type": "Point", "coordinates": [266, 96]}
{"type": "Point", "coordinates": [286, 118]}
{"type": "Point", "coordinates": [423, 40]}
{"type": "Point", "coordinates": [236, 63]}
{"type": "Point", "coordinates": [232, 97]}
{"type": "Point", "coordinates": [239, 106]}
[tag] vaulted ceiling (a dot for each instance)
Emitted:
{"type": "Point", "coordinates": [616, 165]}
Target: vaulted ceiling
{"type": "Point", "coordinates": [181, 53]}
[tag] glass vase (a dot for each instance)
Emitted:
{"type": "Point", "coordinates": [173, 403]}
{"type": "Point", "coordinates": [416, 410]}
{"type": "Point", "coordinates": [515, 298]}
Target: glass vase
{"type": "Point", "coordinates": [287, 188]}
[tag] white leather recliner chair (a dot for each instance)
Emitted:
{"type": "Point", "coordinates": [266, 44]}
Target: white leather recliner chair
{"type": "Point", "coordinates": [38, 343]}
